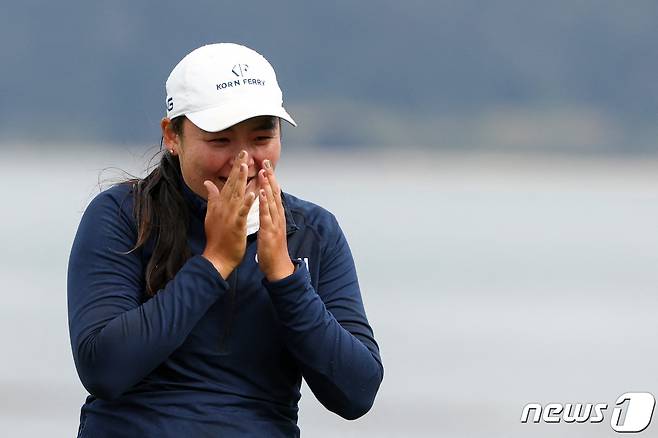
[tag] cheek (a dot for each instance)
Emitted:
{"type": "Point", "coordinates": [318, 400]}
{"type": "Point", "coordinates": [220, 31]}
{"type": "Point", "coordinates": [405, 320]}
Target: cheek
{"type": "Point", "coordinates": [271, 153]}
{"type": "Point", "coordinates": [200, 167]}
{"type": "Point", "coordinates": [212, 163]}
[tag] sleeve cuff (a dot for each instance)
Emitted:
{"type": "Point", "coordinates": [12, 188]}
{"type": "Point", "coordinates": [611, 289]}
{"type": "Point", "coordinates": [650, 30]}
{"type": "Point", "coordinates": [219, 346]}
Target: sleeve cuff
{"type": "Point", "coordinates": [294, 282]}
{"type": "Point", "coordinates": [202, 264]}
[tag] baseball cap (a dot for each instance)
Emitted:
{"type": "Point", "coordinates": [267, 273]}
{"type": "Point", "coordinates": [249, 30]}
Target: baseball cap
{"type": "Point", "coordinates": [219, 85]}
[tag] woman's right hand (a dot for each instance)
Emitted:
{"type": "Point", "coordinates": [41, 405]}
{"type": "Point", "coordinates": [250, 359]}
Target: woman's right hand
{"type": "Point", "coordinates": [226, 219]}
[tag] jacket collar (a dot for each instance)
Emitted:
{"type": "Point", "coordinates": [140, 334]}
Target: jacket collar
{"type": "Point", "coordinates": [198, 206]}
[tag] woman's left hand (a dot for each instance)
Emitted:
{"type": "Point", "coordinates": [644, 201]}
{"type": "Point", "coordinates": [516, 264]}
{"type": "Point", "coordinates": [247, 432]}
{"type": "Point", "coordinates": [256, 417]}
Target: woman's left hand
{"type": "Point", "coordinates": [273, 257]}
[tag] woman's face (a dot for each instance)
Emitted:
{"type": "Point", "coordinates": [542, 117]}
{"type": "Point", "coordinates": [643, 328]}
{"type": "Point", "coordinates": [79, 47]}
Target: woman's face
{"type": "Point", "coordinates": [209, 155]}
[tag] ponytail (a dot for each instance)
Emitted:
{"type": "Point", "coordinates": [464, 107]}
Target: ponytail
{"type": "Point", "coordinates": [160, 210]}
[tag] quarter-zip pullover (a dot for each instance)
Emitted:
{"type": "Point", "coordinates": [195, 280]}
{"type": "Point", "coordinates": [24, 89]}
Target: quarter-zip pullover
{"type": "Point", "coordinates": [207, 356]}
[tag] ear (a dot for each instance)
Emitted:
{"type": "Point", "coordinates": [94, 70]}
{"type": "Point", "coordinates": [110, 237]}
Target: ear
{"type": "Point", "coordinates": [169, 137]}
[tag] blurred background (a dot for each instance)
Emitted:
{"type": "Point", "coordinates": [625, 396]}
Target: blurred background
{"type": "Point", "coordinates": [493, 164]}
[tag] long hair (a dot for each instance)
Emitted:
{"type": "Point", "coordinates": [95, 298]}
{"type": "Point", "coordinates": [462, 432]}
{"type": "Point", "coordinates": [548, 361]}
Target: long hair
{"type": "Point", "coordinates": [159, 209]}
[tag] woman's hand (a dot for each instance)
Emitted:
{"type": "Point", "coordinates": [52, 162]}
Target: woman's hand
{"type": "Point", "coordinates": [226, 219]}
{"type": "Point", "coordinates": [273, 257]}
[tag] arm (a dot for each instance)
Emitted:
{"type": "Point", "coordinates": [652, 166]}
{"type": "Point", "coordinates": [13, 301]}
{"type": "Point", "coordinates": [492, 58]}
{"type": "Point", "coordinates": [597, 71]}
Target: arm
{"type": "Point", "coordinates": [117, 340]}
{"type": "Point", "coordinates": [328, 333]}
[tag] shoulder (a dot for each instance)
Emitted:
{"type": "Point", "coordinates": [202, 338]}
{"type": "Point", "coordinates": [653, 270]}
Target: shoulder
{"type": "Point", "coordinates": [119, 195]}
{"type": "Point", "coordinates": [312, 217]}
{"type": "Point", "coordinates": [113, 203]}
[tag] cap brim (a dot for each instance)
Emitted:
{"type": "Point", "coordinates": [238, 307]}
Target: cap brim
{"type": "Point", "coordinates": [219, 118]}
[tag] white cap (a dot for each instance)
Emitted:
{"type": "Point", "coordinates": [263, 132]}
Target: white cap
{"type": "Point", "coordinates": [219, 85]}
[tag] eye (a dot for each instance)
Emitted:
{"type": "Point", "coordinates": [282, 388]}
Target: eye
{"type": "Point", "coordinates": [263, 138]}
{"type": "Point", "coordinates": [219, 140]}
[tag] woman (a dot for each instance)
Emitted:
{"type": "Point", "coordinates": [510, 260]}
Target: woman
{"type": "Point", "coordinates": [195, 309]}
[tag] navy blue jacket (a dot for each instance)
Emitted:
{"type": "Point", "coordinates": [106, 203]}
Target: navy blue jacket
{"type": "Point", "coordinates": [207, 356]}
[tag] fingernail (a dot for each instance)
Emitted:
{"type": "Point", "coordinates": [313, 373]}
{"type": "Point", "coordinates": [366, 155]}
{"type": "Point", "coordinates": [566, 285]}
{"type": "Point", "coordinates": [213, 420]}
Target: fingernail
{"type": "Point", "coordinates": [267, 164]}
{"type": "Point", "coordinates": [242, 154]}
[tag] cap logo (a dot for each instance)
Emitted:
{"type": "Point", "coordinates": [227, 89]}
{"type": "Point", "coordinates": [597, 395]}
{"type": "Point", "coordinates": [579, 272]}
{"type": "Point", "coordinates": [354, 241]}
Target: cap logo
{"type": "Point", "coordinates": [240, 69]}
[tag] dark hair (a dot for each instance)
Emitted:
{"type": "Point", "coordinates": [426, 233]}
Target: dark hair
{"type": "Point", "coordinates": [159, 207]}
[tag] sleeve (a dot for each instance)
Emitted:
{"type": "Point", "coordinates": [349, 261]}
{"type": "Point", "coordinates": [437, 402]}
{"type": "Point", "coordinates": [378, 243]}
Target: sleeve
{"type": "Point", "coordinates": [328, 333]}
{"type": "Point", "coordinates": [116, 338]}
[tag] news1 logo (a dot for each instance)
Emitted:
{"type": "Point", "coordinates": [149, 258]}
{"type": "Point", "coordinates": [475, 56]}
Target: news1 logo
{"type": "Point", "coordinates": [632, 413]}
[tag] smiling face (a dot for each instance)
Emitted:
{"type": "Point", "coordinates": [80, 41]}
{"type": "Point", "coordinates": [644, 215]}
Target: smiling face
{"type": "Point", "coordinates": [210, 155]}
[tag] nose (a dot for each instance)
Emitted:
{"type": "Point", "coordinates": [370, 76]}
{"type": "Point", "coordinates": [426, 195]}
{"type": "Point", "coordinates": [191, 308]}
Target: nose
{"type": "Point", "coordinates": [250, 157]}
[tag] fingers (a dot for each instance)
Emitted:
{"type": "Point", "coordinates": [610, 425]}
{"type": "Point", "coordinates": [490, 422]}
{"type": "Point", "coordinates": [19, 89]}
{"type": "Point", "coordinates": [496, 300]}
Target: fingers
{"type": "Point", "coordinates": [230, 181]}
{"type": "Point", "coordinates": [213, 191]}
{"type": "Point", "coordinates": [269, 196]}
{"type": "Point", "coordinates": [273, 182]}
{"type": "Point", "coordinates": [241, 183]}
{"type": "Point", "coordinates": [264, 210]}
{"type": "Point", "coordinates": [276, 189]}
{"type": "Point", "coordinates": [237, 179]}
{"type": "Point", "coordinates": [246, 205]}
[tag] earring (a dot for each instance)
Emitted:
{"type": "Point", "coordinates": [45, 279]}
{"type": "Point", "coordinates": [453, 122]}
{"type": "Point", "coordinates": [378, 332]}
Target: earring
{"type": "Point", "coordinates": [171, 151]}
